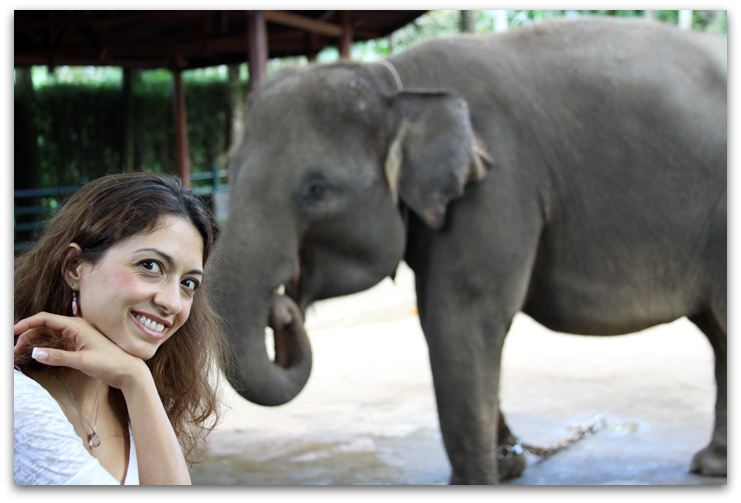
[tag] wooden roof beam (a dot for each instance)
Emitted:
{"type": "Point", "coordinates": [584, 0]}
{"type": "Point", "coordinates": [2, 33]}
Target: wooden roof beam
{"type": "Point", "coordinates": [303, 23]}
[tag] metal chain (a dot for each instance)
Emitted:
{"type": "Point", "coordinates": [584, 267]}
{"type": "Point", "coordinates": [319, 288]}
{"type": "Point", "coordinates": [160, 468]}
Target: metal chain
{"type": "Point", "coordinates": [93, 439]}
{"type": "Point", "coordinates": [505, 452]}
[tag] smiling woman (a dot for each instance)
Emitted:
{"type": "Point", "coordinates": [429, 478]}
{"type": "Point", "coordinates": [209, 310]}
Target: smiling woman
{"type": "Point", "coordinates": [156, 274]}
{"type": "Point", "coordinates": [115, 338]}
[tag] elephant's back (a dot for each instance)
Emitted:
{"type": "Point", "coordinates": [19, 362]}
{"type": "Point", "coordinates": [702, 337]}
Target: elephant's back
{"type": "Point", "coordinates": [549, 52]}
{"type": "Point", "coordinates": [618, 129]}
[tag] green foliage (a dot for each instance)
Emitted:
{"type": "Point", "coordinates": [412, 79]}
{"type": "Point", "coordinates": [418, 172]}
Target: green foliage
{"type": "Point", "coordinates": [81, 127]}
{"type": "Point", "coordinates": [444, 23]}
{"type": "Point", "coordinates": [78, 132]}
{"type": "Point", "coordinates": [208, 128]}
{"type": "Point", "coordinates": [438, 23]}
{"type": "Point", "coordinates": [88, 75]}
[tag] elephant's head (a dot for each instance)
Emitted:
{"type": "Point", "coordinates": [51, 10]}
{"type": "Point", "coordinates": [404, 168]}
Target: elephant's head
{"type": "Point", "coordinates": [317, 186]}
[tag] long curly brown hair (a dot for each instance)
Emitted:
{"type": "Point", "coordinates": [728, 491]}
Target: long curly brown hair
{"type": "Point", "coordinates": [96, 217]}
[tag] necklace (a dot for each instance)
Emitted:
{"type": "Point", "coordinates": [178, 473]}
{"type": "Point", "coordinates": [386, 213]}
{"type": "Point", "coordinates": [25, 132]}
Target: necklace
{"type": "Point", "coordinates": [93, 440]}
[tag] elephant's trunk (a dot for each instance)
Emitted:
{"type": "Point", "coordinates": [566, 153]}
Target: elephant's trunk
{"type": "Point", "coordinates": [247, 309]}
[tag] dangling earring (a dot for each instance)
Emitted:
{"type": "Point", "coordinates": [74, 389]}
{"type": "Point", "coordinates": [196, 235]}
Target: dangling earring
{"type": "Point", "coordinates": [74, 303]}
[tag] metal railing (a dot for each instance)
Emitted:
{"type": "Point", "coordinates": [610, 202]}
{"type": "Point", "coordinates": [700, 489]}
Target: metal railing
{"type": "Point", "coordinates": [30, 219]}
{"type": "Point", "coordinates": [215, 179]}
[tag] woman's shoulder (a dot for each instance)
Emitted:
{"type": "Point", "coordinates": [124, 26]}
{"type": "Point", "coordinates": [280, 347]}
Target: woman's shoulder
{"type": "Point", "coordinates": [30, 397]}
{"type": "Point", "coordinates": [46, 449]}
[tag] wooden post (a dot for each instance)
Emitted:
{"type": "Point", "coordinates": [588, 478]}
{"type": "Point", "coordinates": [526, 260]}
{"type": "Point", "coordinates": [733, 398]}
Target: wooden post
{"type": "Point", "coordinates": [310, 47]}
{"type": "Point", "coordinates": [127, 152]}
{"type": "Point", "coordinates": [468, 21]}
{"type": "Point", "coordinates": [346, 34]}
{"type": "Point", "coordinates": [181, 126]}
{"type": "Point", "coordinates": [258, 48]}
{"type": "Point", "coordinates": [236, 106]}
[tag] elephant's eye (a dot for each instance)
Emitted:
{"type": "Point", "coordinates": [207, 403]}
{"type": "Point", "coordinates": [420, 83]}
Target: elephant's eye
{"type": "Point", "coordinates": [314, 190]}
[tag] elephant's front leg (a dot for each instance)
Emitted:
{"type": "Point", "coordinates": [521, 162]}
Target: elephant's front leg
{"type": "Point", "coordinates": [469, 287]}
{"type": "Point", "coordinates": [465, 355]}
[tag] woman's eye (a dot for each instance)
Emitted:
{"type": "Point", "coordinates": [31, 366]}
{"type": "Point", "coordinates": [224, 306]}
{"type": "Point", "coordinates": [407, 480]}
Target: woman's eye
{"type": "Point", "coordinates": [191, 284]}
{"type": "Point", "coordinates": [152, 266]}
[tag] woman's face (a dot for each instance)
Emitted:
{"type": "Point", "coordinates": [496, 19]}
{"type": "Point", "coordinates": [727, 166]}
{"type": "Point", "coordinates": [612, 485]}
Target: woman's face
{"type": "Point", "coordinates": [140, 293]}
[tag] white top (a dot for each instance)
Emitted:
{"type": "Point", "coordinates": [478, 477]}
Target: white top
{"type": "Point", "coordinates": [46, 449]}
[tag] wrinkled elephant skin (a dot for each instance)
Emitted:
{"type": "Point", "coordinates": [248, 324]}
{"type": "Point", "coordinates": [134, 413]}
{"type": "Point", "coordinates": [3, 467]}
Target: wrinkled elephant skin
{"type": "Point", "coordinates": [573, 170]}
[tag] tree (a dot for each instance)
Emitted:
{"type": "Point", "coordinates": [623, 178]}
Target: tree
{"type": "Point", "coordinates": [468, 21]}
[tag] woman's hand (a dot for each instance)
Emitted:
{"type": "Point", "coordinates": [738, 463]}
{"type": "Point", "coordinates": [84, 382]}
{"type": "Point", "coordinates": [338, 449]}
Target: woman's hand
{"type": "Point", "coordinates": [159, 454]}
{"type": "Point", "coordinates": [90, 351]}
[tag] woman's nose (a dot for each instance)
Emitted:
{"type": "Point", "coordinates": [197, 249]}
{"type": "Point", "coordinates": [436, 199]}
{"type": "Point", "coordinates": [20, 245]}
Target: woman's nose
{"type": "Point", "coordinates": [168, 297]}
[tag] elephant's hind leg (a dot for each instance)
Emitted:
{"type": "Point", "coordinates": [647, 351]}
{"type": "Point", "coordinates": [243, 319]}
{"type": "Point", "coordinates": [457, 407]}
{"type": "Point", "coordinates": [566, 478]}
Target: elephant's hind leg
{"type": "Point", "coordinates": [713, 459]}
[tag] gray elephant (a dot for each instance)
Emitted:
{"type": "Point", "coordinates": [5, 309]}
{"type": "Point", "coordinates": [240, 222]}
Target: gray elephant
{"type": "Point", "coordinates": [572, 170]}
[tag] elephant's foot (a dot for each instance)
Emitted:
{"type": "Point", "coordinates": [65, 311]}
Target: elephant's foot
{"type": "Point", "coordinates": [712, 460]}
{"type": "Point", "coordinates": [511, 458]}
{"type": "Point", "coordinates": [474, 479]}
{"type": "Point", "coordinates": [512, 467]}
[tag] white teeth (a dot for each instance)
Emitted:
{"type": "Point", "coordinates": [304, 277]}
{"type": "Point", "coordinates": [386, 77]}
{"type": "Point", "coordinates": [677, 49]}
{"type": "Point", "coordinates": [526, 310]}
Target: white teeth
{"type": "Point", "coordinates": [281, 290]}
{"type": "Point", "coordinates": [150, 324]}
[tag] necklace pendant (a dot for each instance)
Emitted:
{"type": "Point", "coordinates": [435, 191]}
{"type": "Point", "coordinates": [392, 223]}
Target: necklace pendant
{"type": "Point", "coordinates": [93, 440]}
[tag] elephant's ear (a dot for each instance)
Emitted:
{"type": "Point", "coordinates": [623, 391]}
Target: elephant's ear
{"type": "Point", "coordinates": [434, 153]}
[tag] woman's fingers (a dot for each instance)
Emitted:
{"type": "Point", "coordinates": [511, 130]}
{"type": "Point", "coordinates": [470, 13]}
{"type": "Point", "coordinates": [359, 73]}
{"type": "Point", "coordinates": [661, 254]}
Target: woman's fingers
{"type": "Point", "coordinates": [88, 350]}
{"type": "Point", "coordinates": [54, 322]}
{"type": "Point", "coordinates": [40, 328]}
{"type": "Point", "coordinates": [32, 337]}
{"type": "Point", "coordinates": [56, 357]}
{"type": "Point", "coordinates": [80, 334]}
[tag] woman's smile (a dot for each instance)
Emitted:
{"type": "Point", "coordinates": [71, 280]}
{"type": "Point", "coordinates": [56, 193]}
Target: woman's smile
{"type": "Point", "coordinates": [151, 325]}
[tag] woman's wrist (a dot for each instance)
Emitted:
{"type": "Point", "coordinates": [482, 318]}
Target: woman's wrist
{"type": "Point", "coordinates": [137, 376]}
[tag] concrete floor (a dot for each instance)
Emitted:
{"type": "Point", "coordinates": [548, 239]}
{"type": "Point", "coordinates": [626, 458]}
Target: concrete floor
{"type": "Point", "coordinates": [368, 417]}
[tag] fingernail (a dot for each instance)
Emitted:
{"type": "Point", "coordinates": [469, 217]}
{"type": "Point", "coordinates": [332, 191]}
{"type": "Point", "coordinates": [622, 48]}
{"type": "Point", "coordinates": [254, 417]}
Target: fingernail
{"type": "Point", "coordinates": [39, 354]}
